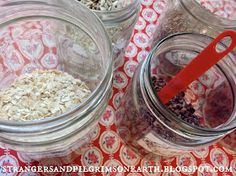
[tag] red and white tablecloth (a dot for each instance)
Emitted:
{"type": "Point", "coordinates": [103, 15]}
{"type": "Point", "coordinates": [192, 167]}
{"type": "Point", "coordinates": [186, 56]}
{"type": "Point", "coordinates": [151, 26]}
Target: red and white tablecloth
{"type": "Point", "coordinates": [106, 149]}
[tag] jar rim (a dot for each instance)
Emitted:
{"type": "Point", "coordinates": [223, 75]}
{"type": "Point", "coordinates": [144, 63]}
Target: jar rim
{"type": "Point", "coordinates": [157, 102]}
{"type": "Point", "coordinates": [101, 90]}
{"type": "Point", "coordinates": [203, 15]}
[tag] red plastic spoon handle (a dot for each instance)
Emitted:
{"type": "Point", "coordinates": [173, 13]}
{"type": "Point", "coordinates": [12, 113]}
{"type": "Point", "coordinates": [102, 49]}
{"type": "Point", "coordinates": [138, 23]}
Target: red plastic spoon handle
{"type": "Point", "coordinates": [199, 65]}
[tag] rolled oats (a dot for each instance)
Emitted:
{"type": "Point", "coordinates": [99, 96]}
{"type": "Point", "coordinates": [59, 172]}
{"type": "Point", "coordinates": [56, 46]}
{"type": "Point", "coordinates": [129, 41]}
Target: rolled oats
{"type": "Point", "coordinates": [119, 24]}
{"type": "Point", "coordinates": [41, 94]}
{"type": "Point", "coordinates": [104, 5]}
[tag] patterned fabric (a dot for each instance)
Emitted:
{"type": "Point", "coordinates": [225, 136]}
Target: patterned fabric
{"type": "Point", "coordinates": [106, 149]}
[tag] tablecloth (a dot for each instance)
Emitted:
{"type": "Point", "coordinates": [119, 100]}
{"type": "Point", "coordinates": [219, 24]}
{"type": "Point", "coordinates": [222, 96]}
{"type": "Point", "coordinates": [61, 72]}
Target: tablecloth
{"type": "Point", "coordinates": [106, 149]}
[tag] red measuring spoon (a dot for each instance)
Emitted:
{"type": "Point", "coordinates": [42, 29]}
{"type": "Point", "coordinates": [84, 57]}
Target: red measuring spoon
{"type": "Point", "coordinates": [199, 65]}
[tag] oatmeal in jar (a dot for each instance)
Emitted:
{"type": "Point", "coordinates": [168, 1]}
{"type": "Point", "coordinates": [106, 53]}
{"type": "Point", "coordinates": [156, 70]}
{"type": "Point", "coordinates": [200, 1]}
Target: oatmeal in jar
{"type": "Point", "coordinates": [41, 94]}
{"type": "Point", "coordinates": [119, 18]}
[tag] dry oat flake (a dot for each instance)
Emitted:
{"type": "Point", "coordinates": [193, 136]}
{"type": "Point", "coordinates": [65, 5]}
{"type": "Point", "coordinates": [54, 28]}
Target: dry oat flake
{"type": "Point", "coordinates": [105, 5]}
{"type": "Point", "coordinates": [41, 94]}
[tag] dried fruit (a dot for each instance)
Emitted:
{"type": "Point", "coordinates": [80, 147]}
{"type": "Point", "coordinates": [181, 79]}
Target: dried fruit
{"type": "Point", "coordinates": [178, 105]}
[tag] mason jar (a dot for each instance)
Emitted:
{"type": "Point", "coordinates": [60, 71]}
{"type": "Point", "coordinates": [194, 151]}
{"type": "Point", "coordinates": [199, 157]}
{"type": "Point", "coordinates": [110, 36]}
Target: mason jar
{"type": "Point", "coordinates": [201, 115]}
{"type": "Point", "coordinates": [195, 16]}
{"type": "Point", "coordinates": [40, 34]}
{"type": "Point", "coordinates": [119, 24]}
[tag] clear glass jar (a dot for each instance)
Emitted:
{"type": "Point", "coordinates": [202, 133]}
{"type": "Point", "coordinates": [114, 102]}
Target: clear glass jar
{"type": "Point", "coordinates": [146, 125]}
{"type": "Point", "coordinates": [52, 25]}
{"type": "Point", "coordinates": [190, 16]}
{"type": "Point", "coordinates": [119, 25]}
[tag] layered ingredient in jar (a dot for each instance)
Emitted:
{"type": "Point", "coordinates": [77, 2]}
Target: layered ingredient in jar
{"type": "Point", "coordinates": [41, 94]}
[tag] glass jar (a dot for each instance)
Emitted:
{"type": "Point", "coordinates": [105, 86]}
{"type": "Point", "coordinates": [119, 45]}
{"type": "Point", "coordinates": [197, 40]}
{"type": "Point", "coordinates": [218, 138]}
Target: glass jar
{"type": "Point", "coordinates": [191, 16]}
{"type": "Point", "coordinates": [119, 24]}
{"type": "Point", "coordinates": [201, 115]}
{"type": "Point", "coordinates": [40, 34]}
